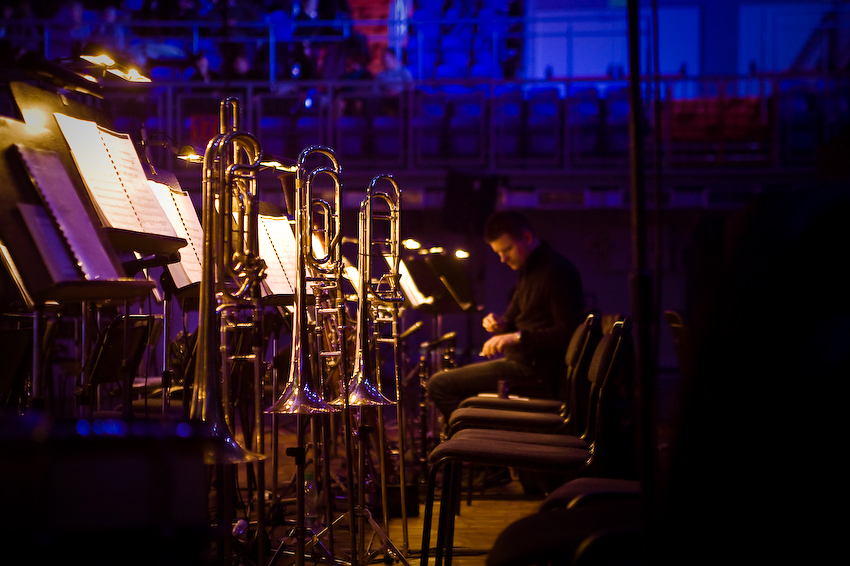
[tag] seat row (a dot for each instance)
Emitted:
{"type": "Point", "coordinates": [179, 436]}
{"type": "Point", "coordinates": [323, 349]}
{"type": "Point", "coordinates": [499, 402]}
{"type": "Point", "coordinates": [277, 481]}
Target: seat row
{"type": "Point", "coordinates": [587, 438]}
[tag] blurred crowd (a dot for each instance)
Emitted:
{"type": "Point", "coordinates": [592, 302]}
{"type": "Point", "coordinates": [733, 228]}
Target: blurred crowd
{"type": "Point", "coordinates": [231, 40]}
{"type": "Point", "coordinates": [314, 39]}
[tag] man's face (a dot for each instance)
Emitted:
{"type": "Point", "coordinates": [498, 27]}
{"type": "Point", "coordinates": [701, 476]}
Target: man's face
{"type": "Point", "coordinates": [512, 252]}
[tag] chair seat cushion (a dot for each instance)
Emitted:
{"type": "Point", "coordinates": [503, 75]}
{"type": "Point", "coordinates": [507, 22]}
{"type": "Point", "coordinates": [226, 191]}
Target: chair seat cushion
{"type": "Point", "coordinates": [495, 418]}
{"type": "Point", "coordinates": [588, 486]}
{"type": "Point", "coordinates": [514, 404]}
{"type": "Point", "coordinates": [552, 439]}
{"type": "Point", "coordinates": [511, 454]}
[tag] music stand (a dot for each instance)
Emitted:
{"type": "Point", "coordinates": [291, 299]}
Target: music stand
{"type": "Point", "coordinates": [38, 106]}
{"type": "Point", "coordinates": [37, 249]}
{"type": "Point", "coordinates": [117, 355]}
{"type": "Point", "coordinates": [450, 271]}
{"type": "Point", "coordinates": [436, 284]}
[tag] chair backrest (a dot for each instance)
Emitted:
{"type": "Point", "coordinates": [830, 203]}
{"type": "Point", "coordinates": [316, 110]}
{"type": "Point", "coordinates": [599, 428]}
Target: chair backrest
{"type": "Point", "coordinates": [603, 355]}
{"type": "Point", "coordinates": [612, 416]}
{"type": "Point", "coordinates": [577, 360]}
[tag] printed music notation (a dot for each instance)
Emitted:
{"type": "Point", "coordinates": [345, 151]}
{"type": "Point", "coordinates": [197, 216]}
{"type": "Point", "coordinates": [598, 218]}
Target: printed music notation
{"type": "Point", "coordinates": [179, 209]}
{"type": "Point", "coordinates": [278, 249]}
{"type": "Point", "coordinates": [73, 228]}
{"type": "Point", "coordinates": [114, 177]}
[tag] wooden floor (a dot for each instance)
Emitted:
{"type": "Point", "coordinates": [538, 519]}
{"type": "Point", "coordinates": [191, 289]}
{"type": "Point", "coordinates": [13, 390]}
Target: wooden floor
{"type": "Point", "coordinates": [477, 525]}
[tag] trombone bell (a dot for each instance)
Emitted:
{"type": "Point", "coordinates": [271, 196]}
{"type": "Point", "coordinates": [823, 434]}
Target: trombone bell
{"type": "Point", "coordinates": [298, 398]}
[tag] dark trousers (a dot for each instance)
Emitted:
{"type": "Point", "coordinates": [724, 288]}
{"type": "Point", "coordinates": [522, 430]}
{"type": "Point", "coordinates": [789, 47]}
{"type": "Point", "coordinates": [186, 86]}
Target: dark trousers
{"type": "Point", "coordinates": [447, 388]}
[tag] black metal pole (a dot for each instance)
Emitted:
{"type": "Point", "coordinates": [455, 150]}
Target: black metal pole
{"type": "Point", "coordinates": [641, 277]}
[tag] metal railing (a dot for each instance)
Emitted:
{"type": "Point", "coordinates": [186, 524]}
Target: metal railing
{"type": "Point", "coordinates": [490, 124]}
{"type": "Point", "coordinates": [509, 126]}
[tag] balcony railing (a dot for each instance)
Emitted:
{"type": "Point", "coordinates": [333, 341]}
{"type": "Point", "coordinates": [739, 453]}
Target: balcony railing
{"type": "Point", "coordinates": [527, 127]}
{"type": "Point", "coordinates": [490, 123]}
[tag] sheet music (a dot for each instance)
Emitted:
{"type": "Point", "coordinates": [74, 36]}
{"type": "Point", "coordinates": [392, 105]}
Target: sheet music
{"type": "Point", "coordinates": [408, 286]}
{"type": "Point", "coordinates": [181, 212]}
{"type": "Point", "coordinates": [53, 184]}
{"type": "Point", "coordinates": [49, 243]}
{"type": "Point", "coordinates": [278, 249]}
{"type": "Point", "coordinates": [114, 177]}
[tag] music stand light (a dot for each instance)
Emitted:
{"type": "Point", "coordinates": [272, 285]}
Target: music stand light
{"type": "Point", "coordinates": [270, 161]}
{"type": "Point", "coordinates": [192, 155]}
{"type": "Point", "coordinates": [38, 67]}
{"type": "Point", "coordinates": [189, 154]}
{"type": "Point", "coordinates": [113, 63]}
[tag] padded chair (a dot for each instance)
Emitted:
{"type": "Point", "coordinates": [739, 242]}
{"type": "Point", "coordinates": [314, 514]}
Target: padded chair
{"type": "Point", "coordinates": [611, 368]}
{"type": "Point", "coordinates": [308, 130]}
{"type": "Point", "coordinates": [273, 132]}
{"type": "Point", "coordinates": [450, 69]}
{"type": "Point", "coordinates": [544, 118]}
{"type": "Point", "coordinates": [455, 47]}
{"type": "Point", "coordinates": [606, 529]}
{"type": "Point", "coordinates": [554, 415]}
{"type": "Point", "coordinates": [588, 514]}
{"type": "Point", "coordinates": [616, 105]}
{"type": "Point", "coordinates": [584, 119]}
{"type": "Point", "coordinates": [800, 116]}
{"type": "Point", "coordinates": [507, 116]}
{"type": "Point", "coordinates": [150, 404]}
{"type": "Point", "coordinates": [352, 136]}
{"type": "Point", "coordinates": [422, 64]}
{"type": "Point", "coordinates": [467, 125]}
{"type": "Point", "coordinates": [430, 115]}
{"type": "Point", "coordinates": [388, 141]}
{"type": "Point", "coordinates": [585, 439]}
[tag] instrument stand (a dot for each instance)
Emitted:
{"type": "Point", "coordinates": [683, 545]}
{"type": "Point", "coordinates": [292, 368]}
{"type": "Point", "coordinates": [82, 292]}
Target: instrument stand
{"type": "Point", "coordinates": [427, 361]}
{"type": "Point", "coordinates": [301, 531]}
{"type": "Point", "coordinates": [382, 317]}
{"type": "Point", "coordinates": [362, 511]}
{"type": "Point", "coordinates": [358, 518]}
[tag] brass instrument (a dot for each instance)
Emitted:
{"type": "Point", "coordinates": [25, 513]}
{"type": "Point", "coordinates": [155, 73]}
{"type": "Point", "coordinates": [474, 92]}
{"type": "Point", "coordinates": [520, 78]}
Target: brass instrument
{"type": "Point", "coordinates": [320, 268]}
{"type": "Point", "coordinates": [231, 272]}
{"type": "Point", "coordinates": [386, 298]}
{"type": "Point", "coordinates": [298, 396]}
{"type": "Point", "coordinates": [364, 389]}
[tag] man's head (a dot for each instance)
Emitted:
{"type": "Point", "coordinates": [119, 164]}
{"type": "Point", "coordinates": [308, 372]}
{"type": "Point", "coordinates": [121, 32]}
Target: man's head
{"type": "Point", "coordinates": [510, 235]}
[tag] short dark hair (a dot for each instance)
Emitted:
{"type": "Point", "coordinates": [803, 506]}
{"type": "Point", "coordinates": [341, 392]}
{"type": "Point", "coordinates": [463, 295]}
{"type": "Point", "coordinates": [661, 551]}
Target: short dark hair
{"type": "Point", "coordinates": [507, 222]}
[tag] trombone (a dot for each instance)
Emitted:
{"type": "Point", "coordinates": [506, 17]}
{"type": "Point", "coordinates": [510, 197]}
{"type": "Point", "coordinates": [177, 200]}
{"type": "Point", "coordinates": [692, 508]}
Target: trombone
{"type": "Point", "coordinates": [299, 396]}
{"type": "Point", "coordinates": [232, 272]}
{"type": "Point", "coordinates": [386, 300]}
{"type": "Point", "coordinates": [364, 389]}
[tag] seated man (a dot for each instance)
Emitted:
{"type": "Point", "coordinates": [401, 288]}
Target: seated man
{"type": "Point", "coordinates": [529, 340]}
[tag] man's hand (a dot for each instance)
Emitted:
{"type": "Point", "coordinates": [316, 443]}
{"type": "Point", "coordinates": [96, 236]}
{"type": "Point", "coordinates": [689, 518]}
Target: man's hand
{"type": "Point", "coordinates": [493, 323]}
{"type": "Point", "coordinates": [496, 344]}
